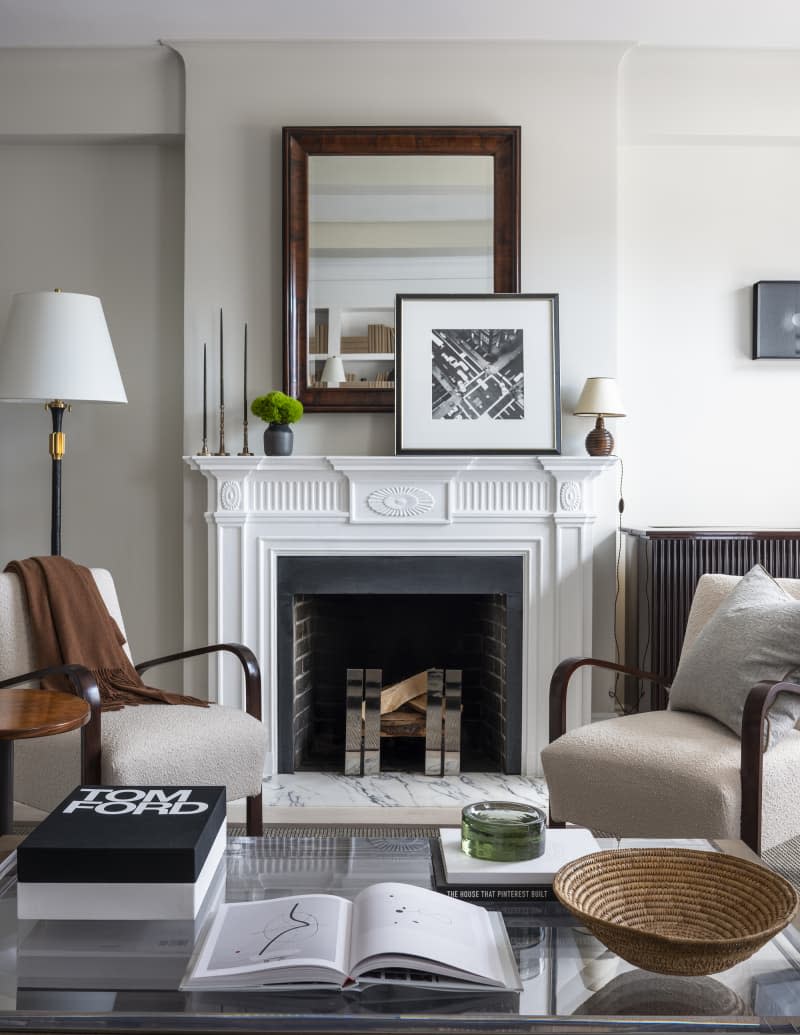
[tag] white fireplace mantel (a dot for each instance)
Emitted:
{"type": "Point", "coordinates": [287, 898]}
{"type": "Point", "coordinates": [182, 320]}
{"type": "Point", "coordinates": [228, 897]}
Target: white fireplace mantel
{"type": "Point", "coordinates": [539, 508]}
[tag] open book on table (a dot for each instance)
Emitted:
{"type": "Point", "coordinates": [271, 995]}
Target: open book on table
{"type": "Point", "coordinates": [388, 932]}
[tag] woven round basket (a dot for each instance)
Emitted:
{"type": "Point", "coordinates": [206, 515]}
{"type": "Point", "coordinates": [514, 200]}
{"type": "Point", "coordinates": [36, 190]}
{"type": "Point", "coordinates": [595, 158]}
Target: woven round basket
{"type": "Point", "coordinates": [676, 910]}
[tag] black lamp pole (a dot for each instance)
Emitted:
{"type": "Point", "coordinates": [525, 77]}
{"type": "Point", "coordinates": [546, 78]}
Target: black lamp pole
{"type": "Point", "coordinates": [57, 444]}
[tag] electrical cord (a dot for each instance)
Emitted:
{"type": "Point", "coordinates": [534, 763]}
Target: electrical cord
{"type": "Point", "coordinates": [614, 694]}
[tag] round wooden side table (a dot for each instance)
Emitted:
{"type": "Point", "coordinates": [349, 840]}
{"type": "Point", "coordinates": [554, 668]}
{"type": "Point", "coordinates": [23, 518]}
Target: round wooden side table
{"type": "Point", "coordinates": [31, 713]}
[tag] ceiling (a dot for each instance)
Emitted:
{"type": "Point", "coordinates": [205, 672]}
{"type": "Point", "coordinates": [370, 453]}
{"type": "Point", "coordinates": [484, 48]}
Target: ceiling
{"type": "Point", "coordinates": [722, 23]}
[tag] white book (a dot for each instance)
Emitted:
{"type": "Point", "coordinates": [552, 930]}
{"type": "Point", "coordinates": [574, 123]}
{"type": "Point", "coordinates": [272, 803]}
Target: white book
{"type": "Point", "coordinates": [38, 900]}
{"type": "Point", "coordinates": [388, 932]}
{"type": "Point", "coordinates": [561, 847]}
{"type": "Point", "coordinates": [112, 954]}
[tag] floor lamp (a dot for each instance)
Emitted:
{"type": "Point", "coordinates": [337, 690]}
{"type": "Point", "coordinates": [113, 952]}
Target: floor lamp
{"type": "Point", "coordinates": [57, 350]}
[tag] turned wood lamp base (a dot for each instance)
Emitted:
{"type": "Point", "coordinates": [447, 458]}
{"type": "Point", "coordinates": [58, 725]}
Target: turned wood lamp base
{"type": "Point", "coordinates": [599, 441]}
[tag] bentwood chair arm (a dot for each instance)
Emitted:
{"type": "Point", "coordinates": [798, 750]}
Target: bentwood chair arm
{"type": "Point", "coordinates": [560, 683]}
{"type": "Point", "coordinates": [252, 692]}
{"type": "Point", "coordinates": [756, 708]}
{"type": "Point", "coordinates": [83, 685]}
{"type": "Point", "coordinates": [249, 662]}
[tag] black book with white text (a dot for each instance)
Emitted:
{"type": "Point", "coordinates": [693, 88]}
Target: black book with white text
{"type": "Point", "coordinates": [123, 853]}
{"type": "Point", "coordinates": [485, 894]}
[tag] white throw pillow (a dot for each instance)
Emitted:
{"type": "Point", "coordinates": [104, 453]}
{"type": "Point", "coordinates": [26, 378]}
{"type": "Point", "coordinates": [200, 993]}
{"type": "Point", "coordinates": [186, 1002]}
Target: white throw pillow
{"type": "Point", "coordinates": [753, 635]}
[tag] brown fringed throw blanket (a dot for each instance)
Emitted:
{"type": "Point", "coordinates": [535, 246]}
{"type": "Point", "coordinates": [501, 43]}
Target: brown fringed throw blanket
{"type": "Point", "coordinates": [71, 625]}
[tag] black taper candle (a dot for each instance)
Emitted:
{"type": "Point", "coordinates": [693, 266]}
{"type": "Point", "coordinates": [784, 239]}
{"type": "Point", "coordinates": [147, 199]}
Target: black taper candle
{"type": "Point", "coordinates": [245, 372]}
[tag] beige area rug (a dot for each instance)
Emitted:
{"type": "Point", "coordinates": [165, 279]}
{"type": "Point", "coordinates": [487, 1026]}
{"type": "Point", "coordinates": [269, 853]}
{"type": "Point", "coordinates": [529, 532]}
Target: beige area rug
{"type": "Point", "coordinates": [785, 859]}
{"type": "Point", "coordinates": [339, 830]}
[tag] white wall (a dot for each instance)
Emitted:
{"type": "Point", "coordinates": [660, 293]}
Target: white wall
{"type": "Point", "coordinates": [238, 96]}
{"type": "Point", "coordinates": [83, 214]}
{"type": "Point", "coordinates": [108, 93]}
{"type": "Point", "coordinates": [709, 173]}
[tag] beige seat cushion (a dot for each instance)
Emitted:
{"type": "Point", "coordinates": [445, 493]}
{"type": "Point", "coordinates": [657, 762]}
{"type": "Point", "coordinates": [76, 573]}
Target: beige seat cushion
{"type": "Point", "coordinates": [667, 774]}
{"type": "Point", "coordinates": [149, 744]}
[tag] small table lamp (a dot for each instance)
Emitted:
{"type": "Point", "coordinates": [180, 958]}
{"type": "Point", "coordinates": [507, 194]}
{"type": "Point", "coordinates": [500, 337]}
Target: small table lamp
{"type": "Point", "coordinates": [600, 398]}
{"type": "Point", "coordinates": [333, 372]}
{"type": "Point", "coordinates": [57, 347]}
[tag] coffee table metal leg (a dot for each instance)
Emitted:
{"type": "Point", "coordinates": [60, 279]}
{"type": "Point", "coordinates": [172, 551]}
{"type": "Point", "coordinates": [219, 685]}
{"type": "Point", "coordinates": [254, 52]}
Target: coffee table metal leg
{"type": "Point", "coordinates": [6, 786]}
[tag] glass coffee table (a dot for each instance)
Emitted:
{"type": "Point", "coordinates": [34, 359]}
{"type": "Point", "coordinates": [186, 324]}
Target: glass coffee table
{"type": "Point", "coordinates": [96, 976]}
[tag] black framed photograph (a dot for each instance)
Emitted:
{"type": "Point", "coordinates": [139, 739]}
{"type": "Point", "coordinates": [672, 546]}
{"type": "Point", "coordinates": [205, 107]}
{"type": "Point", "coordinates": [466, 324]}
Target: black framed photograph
{"type": "Point", "coordinates": [477, 374]}
{"type": "Point", "coordinates": [776, 319]}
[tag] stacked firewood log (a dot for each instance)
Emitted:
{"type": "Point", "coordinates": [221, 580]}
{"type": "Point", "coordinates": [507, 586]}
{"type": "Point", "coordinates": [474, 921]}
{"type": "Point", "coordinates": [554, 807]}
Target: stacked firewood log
{"type": "Point", "coordinates": [404, 707]}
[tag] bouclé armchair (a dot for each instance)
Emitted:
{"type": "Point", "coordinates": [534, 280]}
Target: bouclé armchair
{"type": "Point", "coordinates": [678, 773]}
{"type": "Point", "coordinates": [144, 744]}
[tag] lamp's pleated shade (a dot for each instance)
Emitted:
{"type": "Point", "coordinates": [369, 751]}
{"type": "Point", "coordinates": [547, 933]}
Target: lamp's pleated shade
{"type": "Point", "coordinates": [600, 398]}
{"type": "Point", "coordinates": [57, 346]}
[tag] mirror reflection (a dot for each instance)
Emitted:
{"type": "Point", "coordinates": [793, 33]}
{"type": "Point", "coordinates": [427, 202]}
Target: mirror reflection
{"type": "Point", "coordinates": [381, 225]}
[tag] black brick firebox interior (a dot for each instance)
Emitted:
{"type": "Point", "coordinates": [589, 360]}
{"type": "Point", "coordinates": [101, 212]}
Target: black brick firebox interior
{"type": "Point", "coordinates": [401, 614]}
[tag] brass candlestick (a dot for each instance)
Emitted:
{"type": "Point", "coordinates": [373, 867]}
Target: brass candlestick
{"type": "Point", "coordinates": [245, 444]}
{"type": "Point", "coordinates": [222, 451]}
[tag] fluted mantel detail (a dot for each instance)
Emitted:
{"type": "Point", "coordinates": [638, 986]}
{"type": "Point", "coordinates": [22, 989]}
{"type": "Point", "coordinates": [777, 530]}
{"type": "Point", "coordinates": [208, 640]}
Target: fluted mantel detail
{"type": "Point", "coordinates": [426, 489]}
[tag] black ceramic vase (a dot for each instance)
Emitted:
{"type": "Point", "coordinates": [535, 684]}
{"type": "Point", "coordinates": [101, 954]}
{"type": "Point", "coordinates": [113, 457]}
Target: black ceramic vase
{"type": "Point", "coordinates": [278, 440]}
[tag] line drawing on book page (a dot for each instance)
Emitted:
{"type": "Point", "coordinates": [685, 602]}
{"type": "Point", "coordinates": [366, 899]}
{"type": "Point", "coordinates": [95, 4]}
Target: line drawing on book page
{"type": "Point", "coordinates": [292, 928]}
{"type": "Point", "coordinates": [293, 925]}
{"type": "Point", "coordinates": [410, 916]}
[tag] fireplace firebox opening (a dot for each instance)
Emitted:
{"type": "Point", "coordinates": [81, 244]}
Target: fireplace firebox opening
{"type": "Point", "coordinates": [401, 615]}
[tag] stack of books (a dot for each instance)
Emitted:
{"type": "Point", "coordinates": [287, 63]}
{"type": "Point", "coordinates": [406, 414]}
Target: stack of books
{"type": "Point", "coordinates": [318, 342]}
{"type": "Point", "coordinates": [123, 853]}
{"type": "Point", "coordinates": [479, 880]}
{"type": "Point", "coordinates": [380, 338]}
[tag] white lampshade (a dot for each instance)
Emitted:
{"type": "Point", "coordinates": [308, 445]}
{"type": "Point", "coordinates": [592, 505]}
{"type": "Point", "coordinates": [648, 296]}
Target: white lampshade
{"type": "Point", "coordinates": [333, 371]}
{"type": "Point", "coordinates": [600, 398]}
{"type": "Point", "coordinates": [57, 346]}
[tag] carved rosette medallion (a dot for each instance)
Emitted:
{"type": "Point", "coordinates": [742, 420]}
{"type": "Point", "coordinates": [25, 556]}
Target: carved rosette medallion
{"type": "Point", "coordinates": [230, 496]}
{"type": "Point", "coordinates": [569, 496]}
{"type": "Point", "coordinates": [400, 501]}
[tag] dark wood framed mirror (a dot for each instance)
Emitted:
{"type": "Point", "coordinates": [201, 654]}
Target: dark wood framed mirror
{"type": "Point", "coordinates": [372, 212]}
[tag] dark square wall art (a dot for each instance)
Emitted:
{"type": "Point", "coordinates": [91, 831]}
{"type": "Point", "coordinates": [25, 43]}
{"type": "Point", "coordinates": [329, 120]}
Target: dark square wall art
{"type": "Point", "coordinates": [776, 319]}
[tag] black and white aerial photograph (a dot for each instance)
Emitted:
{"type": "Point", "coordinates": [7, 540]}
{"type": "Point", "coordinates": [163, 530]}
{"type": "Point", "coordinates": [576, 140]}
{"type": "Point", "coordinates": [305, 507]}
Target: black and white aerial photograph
{"type": "Point", "coordinates": [477, 373]}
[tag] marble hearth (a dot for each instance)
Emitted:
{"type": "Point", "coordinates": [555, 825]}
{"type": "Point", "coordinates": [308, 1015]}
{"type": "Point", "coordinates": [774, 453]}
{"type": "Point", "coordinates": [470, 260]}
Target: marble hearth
{"type": "Point", "coordinates": [537, 509]}
{"type": "Point", "coordinates": [413, 799]}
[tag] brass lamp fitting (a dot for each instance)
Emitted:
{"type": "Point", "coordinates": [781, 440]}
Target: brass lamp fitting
{"type": "Point", "coordinates": [57, 440]}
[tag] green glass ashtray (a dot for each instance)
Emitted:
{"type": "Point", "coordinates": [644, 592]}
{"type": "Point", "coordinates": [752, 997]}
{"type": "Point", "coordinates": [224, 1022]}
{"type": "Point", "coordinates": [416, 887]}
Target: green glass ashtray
{"type": "Point", "coordinates": [502, 831]}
